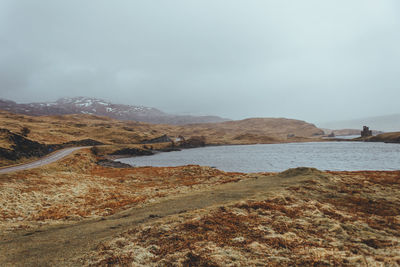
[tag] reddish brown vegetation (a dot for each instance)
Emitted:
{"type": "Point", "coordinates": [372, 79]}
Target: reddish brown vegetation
{"type": "Point", "coordinates": [343, 218]}
{"type": "Point", "coordinates": [76, 188]}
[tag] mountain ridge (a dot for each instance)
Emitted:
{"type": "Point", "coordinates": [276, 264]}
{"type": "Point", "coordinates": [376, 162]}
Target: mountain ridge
{"type": "Point", "coordinates": [100, 107]}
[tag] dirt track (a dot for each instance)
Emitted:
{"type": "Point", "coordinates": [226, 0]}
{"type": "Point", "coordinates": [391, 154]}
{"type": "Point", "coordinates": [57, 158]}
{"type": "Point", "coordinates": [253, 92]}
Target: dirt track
{"type": "Point", "coordinates": [61, 245]}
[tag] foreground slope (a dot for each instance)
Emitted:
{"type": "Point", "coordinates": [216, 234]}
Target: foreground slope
{"type": "Point", "coordinates": [323, 219]}
{"type": "Point", "coordinates": [78, 213]}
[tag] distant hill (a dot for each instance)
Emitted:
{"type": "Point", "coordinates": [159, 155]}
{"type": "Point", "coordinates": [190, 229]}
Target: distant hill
{"type": "Point", "coordinates": [58, 129]}
{"type": "Point", "coordinates": [388, 123]}
{"type": "Point", "coordinates": [94, 106]}
{"type": "Point", "coordinates": [252, 130]}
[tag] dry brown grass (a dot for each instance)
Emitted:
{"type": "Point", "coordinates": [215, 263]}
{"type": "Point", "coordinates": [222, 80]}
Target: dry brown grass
{"type": "Point", "coordinates": [346, 219]}
{"type": "Point", "coordinates": [4, 141]}
{"type": "Point", "coordinates": [60, 129]}
{"type": "Point", "coordinates": [7, 163]}
{"type": "Point", "coordinates": [76, 188]}
{"type": "Point", "coordinates": [251, 131]}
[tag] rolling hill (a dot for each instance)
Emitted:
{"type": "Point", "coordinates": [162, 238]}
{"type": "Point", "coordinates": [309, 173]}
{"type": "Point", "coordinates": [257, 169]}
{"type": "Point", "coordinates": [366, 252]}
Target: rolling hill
{"type": "Point", "coordinates": [74, 127]}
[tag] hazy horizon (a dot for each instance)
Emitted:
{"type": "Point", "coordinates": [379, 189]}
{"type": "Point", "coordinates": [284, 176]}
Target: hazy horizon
{"type": "Point", "coordinates": [322, 124]}
{"type": "Point", "coordinates": [309, 60]}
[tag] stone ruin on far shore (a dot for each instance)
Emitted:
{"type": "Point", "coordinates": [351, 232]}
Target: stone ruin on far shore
{"type": "Point", "coordinates": [366, 132]}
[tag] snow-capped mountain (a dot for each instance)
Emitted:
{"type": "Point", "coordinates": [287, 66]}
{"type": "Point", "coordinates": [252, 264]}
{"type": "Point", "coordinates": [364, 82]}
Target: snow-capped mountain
{"type": "Point", "coordinates": [87, 105]}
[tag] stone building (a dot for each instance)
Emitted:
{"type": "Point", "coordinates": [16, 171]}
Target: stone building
{"type": "Point", "coordinates": [366, 132]}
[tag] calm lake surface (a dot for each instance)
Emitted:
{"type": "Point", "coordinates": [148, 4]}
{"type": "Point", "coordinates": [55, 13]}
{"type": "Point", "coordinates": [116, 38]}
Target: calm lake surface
{"type": "Point", "coordinates": [349, 156]}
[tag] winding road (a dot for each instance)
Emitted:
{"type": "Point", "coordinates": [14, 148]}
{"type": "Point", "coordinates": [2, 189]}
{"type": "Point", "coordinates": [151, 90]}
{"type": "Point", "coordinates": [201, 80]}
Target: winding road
{"type": "Point", "coordinates": [43, 161]}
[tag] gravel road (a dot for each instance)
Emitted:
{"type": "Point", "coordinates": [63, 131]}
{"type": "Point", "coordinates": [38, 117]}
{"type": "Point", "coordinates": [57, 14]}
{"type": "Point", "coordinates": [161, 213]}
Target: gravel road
{"type": "Point", "coordinates": [43, 161]}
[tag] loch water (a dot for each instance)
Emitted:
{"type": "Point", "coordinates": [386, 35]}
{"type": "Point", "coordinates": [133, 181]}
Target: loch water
{"type": "Point", "coordinates": [335, 156]}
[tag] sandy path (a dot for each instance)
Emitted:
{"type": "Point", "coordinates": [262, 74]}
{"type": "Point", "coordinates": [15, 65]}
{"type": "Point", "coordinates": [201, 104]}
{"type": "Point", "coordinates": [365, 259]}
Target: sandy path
{"type": "Point", "coordinates": [43, 161]}
{"type": "Point", "coordinates": [61, 244]}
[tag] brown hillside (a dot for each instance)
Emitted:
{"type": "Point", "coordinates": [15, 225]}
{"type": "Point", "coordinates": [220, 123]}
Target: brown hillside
{"type": "Point", "coordinates": [254, 130]}
{"type": "Point", "coordinates": [65, 128]}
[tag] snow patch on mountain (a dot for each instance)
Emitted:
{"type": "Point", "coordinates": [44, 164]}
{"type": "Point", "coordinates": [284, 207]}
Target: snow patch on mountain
{"type": "Point", "coordinates": [100, 107]}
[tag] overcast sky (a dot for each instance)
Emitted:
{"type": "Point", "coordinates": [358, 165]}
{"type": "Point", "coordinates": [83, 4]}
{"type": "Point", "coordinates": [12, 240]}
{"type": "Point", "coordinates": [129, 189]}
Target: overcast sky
{"type": "Point", "coordinates": [311, 59]}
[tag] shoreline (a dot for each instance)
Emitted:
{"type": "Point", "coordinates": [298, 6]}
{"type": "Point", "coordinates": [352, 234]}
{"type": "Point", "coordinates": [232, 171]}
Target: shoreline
{"type": "Point", "coordinates": [113, 158]}
{"type": "Point", "coordinates": [298, 154]}
{"type": "Point", "coordinates": [157, 151]}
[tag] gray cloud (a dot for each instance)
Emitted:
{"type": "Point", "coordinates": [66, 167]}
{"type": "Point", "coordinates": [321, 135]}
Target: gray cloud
{"type": "Point", "coordinates": [312, 60]}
